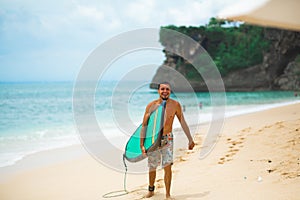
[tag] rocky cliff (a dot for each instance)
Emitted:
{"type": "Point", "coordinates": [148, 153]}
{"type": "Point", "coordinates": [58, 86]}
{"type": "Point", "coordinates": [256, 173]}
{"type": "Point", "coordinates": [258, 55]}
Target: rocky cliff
{"type": "Point", "coordinates": [278, 70]}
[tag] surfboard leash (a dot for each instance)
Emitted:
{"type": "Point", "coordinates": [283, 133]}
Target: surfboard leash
{"type": "Point", "coordinates": [119, 192]}
{"type": "Point", "coordinates": [123, 192]}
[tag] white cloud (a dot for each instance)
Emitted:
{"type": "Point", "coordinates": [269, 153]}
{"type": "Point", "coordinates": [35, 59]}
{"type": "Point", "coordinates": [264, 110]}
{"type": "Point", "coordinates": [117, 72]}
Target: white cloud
{"type": "Point", "coordinates": [140, 11]}
{"type": "Point", "coordinates": [77, 26]}
{"type": "Point", "coordinates": [241, 7]}
{"type": "Point", "coordinates": [102, 17]}
{"type": "Point", "coordinates": [90, 12]}
{"type": "Point", "coordinates": [192, 13]}
{"type": "Point", "coordinates": [76, 18]}
{"type": "Point", "coordinates": [185, 12]}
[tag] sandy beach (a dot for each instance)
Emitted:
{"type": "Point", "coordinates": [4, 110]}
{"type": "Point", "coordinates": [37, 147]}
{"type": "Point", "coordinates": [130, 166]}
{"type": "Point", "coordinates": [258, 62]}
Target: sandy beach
{"type": "Point", "coordinates": [256, 157]}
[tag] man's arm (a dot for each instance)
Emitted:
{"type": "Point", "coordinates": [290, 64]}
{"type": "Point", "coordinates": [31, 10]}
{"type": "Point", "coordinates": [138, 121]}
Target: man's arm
{"type": "Point", "coordinates": [184, 126]}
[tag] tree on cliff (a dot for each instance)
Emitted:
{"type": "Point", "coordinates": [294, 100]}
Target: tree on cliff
{"type": "Point", "coordinates": [232, 47]}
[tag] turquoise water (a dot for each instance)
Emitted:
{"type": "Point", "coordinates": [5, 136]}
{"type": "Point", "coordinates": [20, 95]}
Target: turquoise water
{"type": "Point", "coordinates": [39, 116]}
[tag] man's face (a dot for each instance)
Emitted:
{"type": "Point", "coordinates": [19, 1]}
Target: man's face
{"type": "Point", "coordinates": [164, 91]}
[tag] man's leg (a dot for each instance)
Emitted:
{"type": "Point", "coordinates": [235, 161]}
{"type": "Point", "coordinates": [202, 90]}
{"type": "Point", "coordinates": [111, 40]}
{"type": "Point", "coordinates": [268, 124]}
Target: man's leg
{"type": "Point", "coordinates": [154, 159]}
{"type": "Point", "coordinates": [168, 179]}
{"type": "Point", "coordinates": [152, 176]}
{"type": "Point", "coordinates": [167, 161]}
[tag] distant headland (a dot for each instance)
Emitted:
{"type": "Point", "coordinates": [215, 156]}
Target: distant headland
{"type": "Point", "coordinates": [249, 58]}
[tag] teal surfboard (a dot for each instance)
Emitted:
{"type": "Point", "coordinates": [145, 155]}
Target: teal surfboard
{"type": "Point", "coordinates": [152, 139]}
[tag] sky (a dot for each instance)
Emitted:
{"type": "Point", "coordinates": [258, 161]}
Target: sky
{"type": "Point", "coordinates": [49, 40]}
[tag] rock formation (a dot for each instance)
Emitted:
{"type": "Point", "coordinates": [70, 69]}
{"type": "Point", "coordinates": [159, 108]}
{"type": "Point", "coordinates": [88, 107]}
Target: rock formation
{"type": "Point", "coordinates": [279, 70]}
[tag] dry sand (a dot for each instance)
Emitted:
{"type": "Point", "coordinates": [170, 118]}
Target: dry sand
{"type": "Point", "coordinates": [256, 157]}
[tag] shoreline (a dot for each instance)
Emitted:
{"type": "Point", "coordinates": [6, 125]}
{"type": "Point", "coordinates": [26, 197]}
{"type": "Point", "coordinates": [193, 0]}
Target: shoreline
{"type": "Point", "coordinates": [251, 146]}
{"type": "Point", "coordinates": [42, 159]}
{"type": "Point", "coordinates": [204, 120]}
{"type": "Point", "coordinates": [76, 150]}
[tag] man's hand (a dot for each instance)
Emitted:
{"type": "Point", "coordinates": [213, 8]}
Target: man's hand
{"type": "Point", "coordinates": [191, 145]}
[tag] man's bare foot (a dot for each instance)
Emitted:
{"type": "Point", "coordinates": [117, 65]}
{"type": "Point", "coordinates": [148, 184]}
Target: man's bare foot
{"type": "Point", "coordinates": [169, 198]}
{"type": "Point", "coordinates": [149, 194]}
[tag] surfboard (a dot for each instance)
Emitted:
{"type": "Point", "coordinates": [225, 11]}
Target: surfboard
{"type": "Point", "coordinates": [152, 139]}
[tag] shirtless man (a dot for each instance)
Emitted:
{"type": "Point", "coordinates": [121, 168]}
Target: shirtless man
{"type": "Point", "coordinates": [164, 154]}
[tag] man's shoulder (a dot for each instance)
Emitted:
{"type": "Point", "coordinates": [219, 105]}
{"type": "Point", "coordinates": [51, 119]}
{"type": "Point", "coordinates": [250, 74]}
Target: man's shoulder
{"type": "Point", "coordinates": [156, 101]}
{"type": "Point", "coordinates": [153, 104]}
{"type": "Point", "coordinates": [174, 101]}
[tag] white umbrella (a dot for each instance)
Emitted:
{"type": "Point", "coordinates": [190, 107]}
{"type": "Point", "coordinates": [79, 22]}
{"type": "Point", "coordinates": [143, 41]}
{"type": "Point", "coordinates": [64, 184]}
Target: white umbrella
{"type": "Point", "coordinates": [272, 13]}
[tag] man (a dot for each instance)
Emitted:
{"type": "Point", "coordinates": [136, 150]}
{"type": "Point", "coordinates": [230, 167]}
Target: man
{"type": "Point", "coordinates": [164, 154]}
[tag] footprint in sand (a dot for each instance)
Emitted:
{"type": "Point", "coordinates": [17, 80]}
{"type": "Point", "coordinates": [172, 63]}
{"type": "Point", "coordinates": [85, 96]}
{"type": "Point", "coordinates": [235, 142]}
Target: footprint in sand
{"type": "Point", "coordinates": [181, 159]}
{"type": "Point", "coordinates": [246, 130]}
{"type": "Point", "coordinates": [160, 183]}
{"type": "Point", "coordinates": [190, 151]}
{"type": "Point", "coordinates": [222, 160]}
{"type": "Point", "coordinates": [233, 148]}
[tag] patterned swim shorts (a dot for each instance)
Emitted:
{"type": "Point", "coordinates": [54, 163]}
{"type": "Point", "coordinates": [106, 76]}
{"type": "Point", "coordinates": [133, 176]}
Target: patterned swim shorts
{"type": "Point", "coordinates": [163, 155]}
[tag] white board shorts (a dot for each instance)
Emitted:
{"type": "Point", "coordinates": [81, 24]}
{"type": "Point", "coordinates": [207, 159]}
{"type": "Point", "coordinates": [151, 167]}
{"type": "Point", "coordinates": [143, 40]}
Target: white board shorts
{"type": "Point", "coordinates": [163, 155]}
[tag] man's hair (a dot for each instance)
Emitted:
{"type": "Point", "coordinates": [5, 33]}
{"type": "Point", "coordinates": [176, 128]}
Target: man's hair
{"type": "Point", "coordinates": [165, 82]}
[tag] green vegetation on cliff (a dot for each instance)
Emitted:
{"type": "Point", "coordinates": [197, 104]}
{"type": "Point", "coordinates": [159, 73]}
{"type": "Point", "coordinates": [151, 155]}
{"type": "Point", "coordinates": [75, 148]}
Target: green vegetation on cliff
{"type": "Point", "coordinates": [231, 47]}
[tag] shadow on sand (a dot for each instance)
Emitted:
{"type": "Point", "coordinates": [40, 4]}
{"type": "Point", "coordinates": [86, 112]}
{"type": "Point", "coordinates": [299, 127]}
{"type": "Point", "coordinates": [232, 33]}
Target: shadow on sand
{"type": "Point", "coordinates": [160, 196]}
{"type": "Point", "coordinates": [191, 196]}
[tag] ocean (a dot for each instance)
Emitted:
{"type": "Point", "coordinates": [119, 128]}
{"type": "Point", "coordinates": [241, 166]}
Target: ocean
{"type": "Point", "coordinates": [38, 116]}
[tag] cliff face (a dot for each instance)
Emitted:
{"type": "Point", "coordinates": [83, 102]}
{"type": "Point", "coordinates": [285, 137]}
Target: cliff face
{"type": "Point", "coordinates": [279, 70]}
